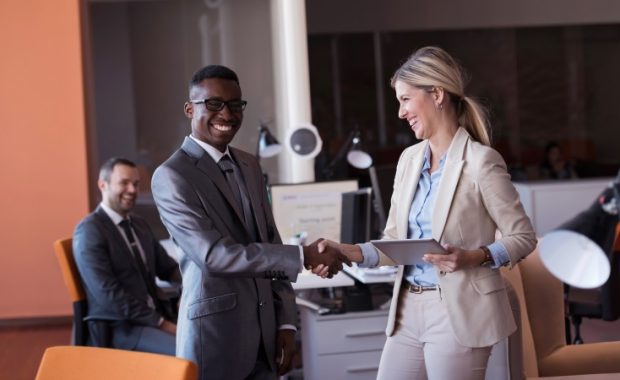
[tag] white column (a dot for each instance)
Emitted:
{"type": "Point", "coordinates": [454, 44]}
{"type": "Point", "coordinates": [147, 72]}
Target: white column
{"type": "Point", "coordinates": [292, 82]}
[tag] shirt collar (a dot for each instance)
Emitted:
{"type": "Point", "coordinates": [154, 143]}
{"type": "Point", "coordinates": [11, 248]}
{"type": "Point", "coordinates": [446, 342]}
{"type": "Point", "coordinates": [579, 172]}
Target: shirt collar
{"type": "Point", "coordinates": [115, 216]}
{"type": "Point", "coordinates": [215, 154]}
{"type": "Point", "coordinates": [426, 165]}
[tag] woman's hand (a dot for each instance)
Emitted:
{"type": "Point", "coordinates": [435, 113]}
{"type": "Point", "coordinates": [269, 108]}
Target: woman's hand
{"type": "Point", "coordinates": [455, 259]}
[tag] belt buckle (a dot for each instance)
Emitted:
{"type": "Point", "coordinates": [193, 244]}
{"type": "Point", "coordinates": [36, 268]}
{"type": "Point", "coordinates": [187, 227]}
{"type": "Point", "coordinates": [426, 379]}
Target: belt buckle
{"type": "Point", "coordinates": [416, 290]}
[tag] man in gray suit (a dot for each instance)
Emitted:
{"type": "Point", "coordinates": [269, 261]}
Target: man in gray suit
{"type": "Point", "coordinates": [118, 257]}
{"type": "Point", "coordinates": [237, 316]}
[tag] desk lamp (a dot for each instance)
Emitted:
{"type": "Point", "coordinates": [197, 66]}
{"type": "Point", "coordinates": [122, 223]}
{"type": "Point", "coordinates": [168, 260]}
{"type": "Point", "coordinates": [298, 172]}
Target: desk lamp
{"type": "Point", "coordinates": [574, 259]}
{"type": "Point", "coordinates": [576, 252]}
{"type": "Point", "coordinates": [356, 156]}
{"type": "Point", "coordinates": [267, 145]}
{"type": "Point", "coordinates": [354, 152]}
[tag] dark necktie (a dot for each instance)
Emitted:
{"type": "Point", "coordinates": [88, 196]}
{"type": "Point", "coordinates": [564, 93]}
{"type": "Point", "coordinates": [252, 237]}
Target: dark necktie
{"type": "Point", "coordinates": [228, 168]}
{"type": "Point", "coordinates": [235, 182]}
{"type": "Point", "coordinates": [144, 272]}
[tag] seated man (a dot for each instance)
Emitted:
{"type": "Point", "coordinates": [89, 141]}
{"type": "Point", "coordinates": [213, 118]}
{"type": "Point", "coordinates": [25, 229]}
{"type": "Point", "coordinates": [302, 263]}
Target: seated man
{"type": "Point", "coordinates": [118, 258]}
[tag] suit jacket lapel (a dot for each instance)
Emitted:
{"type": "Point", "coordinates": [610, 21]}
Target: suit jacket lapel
{"type": "Point", "coordinates": [117, 238]}
{"type": "Point", "coordinates": [213, 173]}
{"type": "Point", "coordinates": [409, 185]}
{"type": "Point", "coordinates": [147, 246]}
{"type": "Point", "coordinates": [449, 180]}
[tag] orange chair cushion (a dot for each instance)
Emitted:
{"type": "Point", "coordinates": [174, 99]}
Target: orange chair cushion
{"type": "Point", "coordinates": [93, 363]}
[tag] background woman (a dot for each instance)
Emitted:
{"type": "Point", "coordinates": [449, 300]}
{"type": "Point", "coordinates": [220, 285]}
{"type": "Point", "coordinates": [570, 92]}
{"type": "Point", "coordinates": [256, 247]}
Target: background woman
{"type": "Point", "coordinates": [554, 166]}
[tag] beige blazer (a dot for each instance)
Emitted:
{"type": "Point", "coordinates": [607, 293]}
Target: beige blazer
{"type": "Point", "coordinates": [475, 198]}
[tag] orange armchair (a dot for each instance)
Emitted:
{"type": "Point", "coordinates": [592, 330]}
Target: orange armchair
{"type": "Point", "coordinates": [64, 254]}
{"type": "Point", "coordinates": [94, 363]}
{"type": "Point", "coordinates": [545, 352]}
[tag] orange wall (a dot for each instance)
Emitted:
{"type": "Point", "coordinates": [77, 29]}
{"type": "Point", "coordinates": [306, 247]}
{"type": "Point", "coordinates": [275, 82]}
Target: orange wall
{"type": "Point", "coordinates": [43, 185]}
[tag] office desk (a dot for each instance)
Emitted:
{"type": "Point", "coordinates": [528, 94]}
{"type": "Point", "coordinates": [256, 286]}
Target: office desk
{"type": "Point", "coordinates": [372, 276]}
{"type": "Point", "coordinates": [308, 280]}
{"type": "Point", "coordinates": [344, 346]}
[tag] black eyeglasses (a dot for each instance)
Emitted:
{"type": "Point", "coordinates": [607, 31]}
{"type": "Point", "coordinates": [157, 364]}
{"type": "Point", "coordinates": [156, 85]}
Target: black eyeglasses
{"type": "Point", "coordinates": [218, 105]}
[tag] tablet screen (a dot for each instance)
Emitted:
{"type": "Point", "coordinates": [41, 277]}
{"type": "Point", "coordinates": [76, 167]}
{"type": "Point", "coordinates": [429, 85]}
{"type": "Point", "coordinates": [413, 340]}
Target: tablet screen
{"type": "Point", "coordinates": [408, 252]}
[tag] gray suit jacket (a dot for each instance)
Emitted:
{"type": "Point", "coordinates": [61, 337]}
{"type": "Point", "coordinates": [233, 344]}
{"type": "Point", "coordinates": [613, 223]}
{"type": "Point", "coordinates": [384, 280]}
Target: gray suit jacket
{"type": "Point", "coordinates": [115, 290]}
{"type": "Point", "coordinates": [236, 291]}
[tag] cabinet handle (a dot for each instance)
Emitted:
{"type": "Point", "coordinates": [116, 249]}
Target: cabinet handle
{"type": "Point", "coordinates": [374, 368]}
{"type": "Point", "coordinates": [364, 333]}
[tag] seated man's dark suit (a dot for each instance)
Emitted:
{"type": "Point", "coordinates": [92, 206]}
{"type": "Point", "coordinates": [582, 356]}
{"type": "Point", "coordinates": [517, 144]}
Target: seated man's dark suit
{"type": "Point", "coordinates": [115, 288]}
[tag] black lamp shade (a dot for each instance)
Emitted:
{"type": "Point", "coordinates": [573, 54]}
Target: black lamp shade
{"type": "Point", "coordinates": [356, 156]}
{"type": "Point", "coordinates": [268, 146]}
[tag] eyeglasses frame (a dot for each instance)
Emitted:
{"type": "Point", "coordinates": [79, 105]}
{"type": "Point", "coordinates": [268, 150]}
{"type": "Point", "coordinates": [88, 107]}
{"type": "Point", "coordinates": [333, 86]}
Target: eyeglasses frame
{"type": "Point", "coordinates": [243, 104]}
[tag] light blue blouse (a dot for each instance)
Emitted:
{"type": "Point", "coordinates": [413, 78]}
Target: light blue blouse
{"type": "Point", "coordinates": [420, 227]}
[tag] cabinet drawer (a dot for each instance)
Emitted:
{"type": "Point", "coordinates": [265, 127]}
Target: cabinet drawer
{"type": "Point", "coordinates": [350, 335]}
{"type": "Point", "coordinates": [357, 366]}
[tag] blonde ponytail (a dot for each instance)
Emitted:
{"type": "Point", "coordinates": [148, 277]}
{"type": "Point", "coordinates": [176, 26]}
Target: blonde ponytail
{"type": "Point", "coordinates": [474, 119]}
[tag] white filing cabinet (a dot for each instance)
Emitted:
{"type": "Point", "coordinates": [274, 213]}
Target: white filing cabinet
{"type": "Point", "coordinates": [342, 346]}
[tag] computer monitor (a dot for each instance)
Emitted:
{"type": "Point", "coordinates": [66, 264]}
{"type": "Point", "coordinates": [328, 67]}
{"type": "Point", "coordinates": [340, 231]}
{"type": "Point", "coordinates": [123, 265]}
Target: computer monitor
{"type": "Point", "coordinates": [356, 216]}
{"type": "Point", "coordinates": [311, 210]}
{"type": "Point", "coordinates": [382, 180]}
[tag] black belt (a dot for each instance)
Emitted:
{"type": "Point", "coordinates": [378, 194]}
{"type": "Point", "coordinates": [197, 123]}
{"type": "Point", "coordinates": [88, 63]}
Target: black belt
{"type": "Point", "coordinates": [417, 289]}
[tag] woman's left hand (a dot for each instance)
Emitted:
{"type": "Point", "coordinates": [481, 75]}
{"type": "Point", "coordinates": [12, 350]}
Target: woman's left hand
{"type": "Point", "coordinates": [455, 259]}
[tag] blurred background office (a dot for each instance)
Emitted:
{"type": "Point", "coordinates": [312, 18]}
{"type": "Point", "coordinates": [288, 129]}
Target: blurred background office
{"type": "Point", "coordinates": [77, 75]}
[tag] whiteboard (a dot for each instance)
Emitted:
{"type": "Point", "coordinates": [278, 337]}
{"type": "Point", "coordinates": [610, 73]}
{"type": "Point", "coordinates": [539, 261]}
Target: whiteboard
{"type": "Point", "coordinates": [312, 208]}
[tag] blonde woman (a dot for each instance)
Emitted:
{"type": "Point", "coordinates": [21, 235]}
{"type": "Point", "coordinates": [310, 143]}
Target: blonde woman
{"type": "Point", "coordinates": [452, 186]}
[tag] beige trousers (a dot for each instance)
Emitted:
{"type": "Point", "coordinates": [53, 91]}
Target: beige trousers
{"type": "Point", "coordinates": [424, 345]}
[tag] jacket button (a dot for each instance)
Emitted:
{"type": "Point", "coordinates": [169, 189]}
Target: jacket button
{"type": "Point", "coordinates": [261, 304]}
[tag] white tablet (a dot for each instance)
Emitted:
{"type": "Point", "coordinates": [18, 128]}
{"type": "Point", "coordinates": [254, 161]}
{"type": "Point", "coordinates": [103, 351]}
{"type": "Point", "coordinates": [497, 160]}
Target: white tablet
{"type": "Point", "coordinates": [408, 252]}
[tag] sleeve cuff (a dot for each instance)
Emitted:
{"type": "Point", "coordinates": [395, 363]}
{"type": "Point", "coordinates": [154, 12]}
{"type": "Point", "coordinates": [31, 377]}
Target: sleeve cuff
{"type": "Point", "coordinates": [499, 254]}
{"type": "Point", "coordinates": [287, 327]}
{"type": "Point", "coordinates": [301, 260]}
{"type": "Point", "coordinates": [370, 254]}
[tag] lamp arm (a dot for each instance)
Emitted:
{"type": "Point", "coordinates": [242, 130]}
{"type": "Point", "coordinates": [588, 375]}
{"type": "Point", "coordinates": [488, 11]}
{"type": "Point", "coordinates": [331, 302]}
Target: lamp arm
{"type": "Point", "coordinates": [616, 189]}
{"type": "Point", "coordinates": [329, 168]}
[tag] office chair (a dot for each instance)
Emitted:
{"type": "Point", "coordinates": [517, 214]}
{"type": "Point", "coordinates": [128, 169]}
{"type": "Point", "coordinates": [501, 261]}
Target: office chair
{"type": "Point", "coordinates": [95, 363]}
{"type": "Point", "coordinates": [64, 253]}
{"type": "Point", "coordinates": [94, 332]}
{"type": "Point", "coordinates": [544, 348]}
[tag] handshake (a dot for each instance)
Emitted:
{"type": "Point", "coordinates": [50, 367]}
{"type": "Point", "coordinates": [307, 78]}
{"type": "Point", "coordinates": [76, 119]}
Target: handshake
{"type": "Point", "coordinates": [325, 258]}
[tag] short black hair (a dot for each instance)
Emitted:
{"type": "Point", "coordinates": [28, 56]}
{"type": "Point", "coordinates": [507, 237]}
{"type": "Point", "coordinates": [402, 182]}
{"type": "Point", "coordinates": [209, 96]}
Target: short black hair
{"type": "Point", "coordinates": [213, 71]}
{"type": "Point", "coordinates": [551, 145]}
{"type": "Point", "coordinates": [108, 167]}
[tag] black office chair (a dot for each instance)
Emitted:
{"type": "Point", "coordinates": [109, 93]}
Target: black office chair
{"type": "Point", "coordinates": [600, 224]}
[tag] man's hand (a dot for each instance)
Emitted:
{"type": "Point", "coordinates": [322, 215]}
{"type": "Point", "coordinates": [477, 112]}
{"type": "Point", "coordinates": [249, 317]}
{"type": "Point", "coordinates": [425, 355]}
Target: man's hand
{"type": "Point", "coordinates": [352, 251]}
{"type": "Point", "coordinates": [285, 349]}
{"type": "Point", "coordinates": [330, 257]}
{"type": "Point", "coordinates": [455, 259]}
{"type": "Point", "coordinates": [169, 327]}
